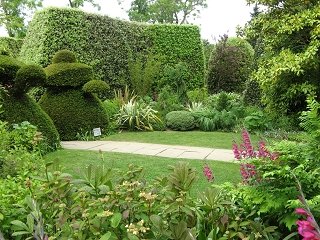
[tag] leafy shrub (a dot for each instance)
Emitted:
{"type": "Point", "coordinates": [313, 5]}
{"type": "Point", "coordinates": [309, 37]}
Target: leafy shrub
{"type": "Point", "coordinates": [137, 116]}
{"type": "Point", "coordinates": [144, 72]}
{"type": "Point", "coordinates": [17, 78]}
{"type": "Point", "coordinates": [167, 101]}
{"type": "Point", "coordinates": [8, 68]}
{"type": "Point", "coordinates": [68, 74]}
{"type": "Point", "coordinates": [105, 203]}
{"type": "Point", "coordinates": [212, 120]}
{"type": "Point", "coordinates": [177, 77]}
{"type": "Point", "coordinates": [252, 94]}
{"type": "Point", "coordinates": [198, 95]}
{"type": "Point", "coordinates": [97, 87]}
{"type": "Point", "coordinates": [269, 174]}
{"type": "Point", "coordinates": [257, 121]}
{"type": "Point", "coordinates": [12, 46]}
{"type": "Point", "coordinates": [180, 120]}
{"type": "Point", "coordinates": [64, 56]}
{"type": "Point", "coordinates": [230, 65]}
{"type": "Point", "coordinates": [28, 77]}
{"type": "Point", "coordinates": [72, 110]}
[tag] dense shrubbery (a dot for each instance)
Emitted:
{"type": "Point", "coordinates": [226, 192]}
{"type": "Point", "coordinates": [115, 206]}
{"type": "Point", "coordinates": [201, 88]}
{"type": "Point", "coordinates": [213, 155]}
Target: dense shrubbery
{"type": "Point", "coordinates": [16, 79]}
{"type": "Point", "coordinates": [180, 120]}
{"type": "Point", "coordinates": [230, 65]}
{"type": "Point", "coordinates": [270, 175]}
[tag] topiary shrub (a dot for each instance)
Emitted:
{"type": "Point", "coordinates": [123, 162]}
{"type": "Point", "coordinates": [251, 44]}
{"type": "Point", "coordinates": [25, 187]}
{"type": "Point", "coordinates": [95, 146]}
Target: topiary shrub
{"type": "Point", "coordinates": [74, 111]}
{"type": "Point", "coordinates": [180, 120]}
{"type": "Point", "coordinates": [71, 108]}
{"type": "Point", "coordinates": [28, 77]}
{"type": "Point", "coordinates": [68, 74]}
{"type": "Point", "coordinates": [97, 87]}
{"type": "Point", "coordinates": [17, 78]}
{"type": "Point", "coordinates": [64, 56]}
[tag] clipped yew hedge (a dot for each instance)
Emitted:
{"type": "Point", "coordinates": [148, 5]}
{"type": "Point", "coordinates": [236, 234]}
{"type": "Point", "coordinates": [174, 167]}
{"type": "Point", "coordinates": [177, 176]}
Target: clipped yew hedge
{"type": "Point", "coordinates": [13, 44]}
{"type": "Point", "coordinates": [106, 44]}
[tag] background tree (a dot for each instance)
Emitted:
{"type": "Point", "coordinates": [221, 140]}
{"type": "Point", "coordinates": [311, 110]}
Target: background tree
{"type": "Point", "coordinates": [230, 65]}
{"type": "Point", "coordinates": [289, 68]}
{"type": "Point", "coordinates": [80, 3]}
{"type": "Point", "coordinates": [13, 14]}
{"type": "Point", "coordinates": [165, 11]}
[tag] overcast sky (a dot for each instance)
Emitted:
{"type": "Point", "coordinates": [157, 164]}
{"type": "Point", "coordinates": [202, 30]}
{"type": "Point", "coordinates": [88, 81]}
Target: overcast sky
{"type": "Point", "coordinates": [221, 16]}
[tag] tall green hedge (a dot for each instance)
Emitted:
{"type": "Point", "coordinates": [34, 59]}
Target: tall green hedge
{"type": "Point", "coordinates": [14, 45]}
{"type": "Point", "coordinates": [106, 43]}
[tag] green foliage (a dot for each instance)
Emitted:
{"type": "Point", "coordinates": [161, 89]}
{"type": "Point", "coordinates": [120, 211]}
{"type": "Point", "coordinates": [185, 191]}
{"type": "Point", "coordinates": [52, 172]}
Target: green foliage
{"type": "Point", "coordinates": [27, 77]}
{"type": "Point", "coordinates": [22, 108]}
{"type": "Point", "coordinates": [288, 70]}
{"type": "Point", "coordinates": [180, 120]}
{"type": "Point", "coordinates": [180, 45]}
{"type": "Point", "coordinates": [252, 93]}
{"type": "Point", "coordinates": [8, 69]}
{"type": "Point", "coordinates": [97, 87]}
{"type": "Point", "coordinates": [136, 115]}
{"type": "Point", "coordinates": [13, 14]}
{"type": "Point", "coordinates": [177, 77]}
{"type": "Point", "coordinates": [270, 175]}
{"type": "Point", "coordinates": [68, 74]}
{"type": "Point", "coordinates": [177, 12]}
{"type": "Point", "coordinates": [210, 120]}
{"type": "Point", "coordinates": [72, 110]}
{"type": "Point", "coordinates": [144, 73]}
{"type": "Point", "coordinates": [257, 122]}
{"type": "Point", "coordinates": [105, 43]}
{"type": "Point", "coordinates": [17, 78]}
{"type": "Point", "coordinates": [198, 95]}
{"type": "Point", "coordinates": [230, 65]}
{"type": "Point", "coordinates": [12, 46]}
{"type": "Point", "coordinates": [64, 56]}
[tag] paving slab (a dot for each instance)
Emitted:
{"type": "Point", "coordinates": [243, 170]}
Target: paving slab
{"type": "Point", "coordinates": [160, 150]}
{"type": "Point", "coordinates": [222, 155]}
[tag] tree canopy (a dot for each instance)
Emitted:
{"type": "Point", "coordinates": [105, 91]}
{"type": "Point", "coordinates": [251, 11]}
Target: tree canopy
{"type": "Point", "coordinates": [289, 67]}
{"type": "Point", "coordinates": [165, 11]}
{"type": "Point", "coordinates": [13, 14]}
{"type": "Point", "coordinates": [80, 3]}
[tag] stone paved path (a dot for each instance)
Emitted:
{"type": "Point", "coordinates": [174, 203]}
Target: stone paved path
{"type": "Point", "coordinates": [153, 149]}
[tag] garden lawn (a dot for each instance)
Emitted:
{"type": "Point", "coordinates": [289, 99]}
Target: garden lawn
{"type": "Point", "coordinates": [220, 140]}
{"type": "Point", "coordinates": [154, 166]}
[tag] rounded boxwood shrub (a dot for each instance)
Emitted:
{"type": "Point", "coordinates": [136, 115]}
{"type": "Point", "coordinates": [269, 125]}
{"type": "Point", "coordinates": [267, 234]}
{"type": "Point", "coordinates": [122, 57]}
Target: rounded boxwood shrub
{"type": "Point", "coordinates": [180, 120]}
{"type": "Point", "coordinates": [8, 69]}
{"type": "Point", "coordinates": [64, 56]}
{"type": "Point", "coordinates": [96, 87]}
{"type": "Point", "coordinates": [27, 77]}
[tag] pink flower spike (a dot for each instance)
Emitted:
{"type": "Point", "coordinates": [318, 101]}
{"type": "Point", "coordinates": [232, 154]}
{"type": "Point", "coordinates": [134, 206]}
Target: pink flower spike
{"type": "Point", "coordinates": [302, 212]}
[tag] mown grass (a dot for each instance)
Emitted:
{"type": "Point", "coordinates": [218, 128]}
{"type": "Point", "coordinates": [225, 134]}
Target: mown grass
{"type": "Point", "coordinates": [154, 166]}
{"type": "Point", "coordinates": [220, 140]}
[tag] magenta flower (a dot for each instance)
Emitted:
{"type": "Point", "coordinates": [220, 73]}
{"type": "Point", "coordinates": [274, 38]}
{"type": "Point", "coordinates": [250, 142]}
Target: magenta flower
{"type": "Point", "coordinates": [302, 212]}
{"type": "Point", "coordinates": [208, 173]}
{"type": "Point", "coordinates": [307, 228]}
